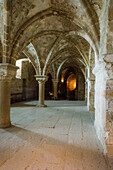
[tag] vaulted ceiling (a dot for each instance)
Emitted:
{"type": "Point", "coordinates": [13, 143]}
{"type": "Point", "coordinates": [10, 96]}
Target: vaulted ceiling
{"type": "Point", "coordinates": [57, 30]}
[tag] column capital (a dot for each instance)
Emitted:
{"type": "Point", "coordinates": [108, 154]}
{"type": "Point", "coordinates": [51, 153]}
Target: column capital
{"type": "Point", "coordinates": [41, 79]}
{"type": "Point", "coordinates": [55, 80]}
{"type": "Point", "coordinates": [105, 66]}
{"type": "Point", "coordinates": [7, 71]}
{"type": "Point", "coordinates": [99, 67]}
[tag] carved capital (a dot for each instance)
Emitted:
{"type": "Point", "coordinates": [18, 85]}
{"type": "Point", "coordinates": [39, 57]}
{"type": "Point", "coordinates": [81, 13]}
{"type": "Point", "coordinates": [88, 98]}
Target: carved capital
{"type": "Point", "coordinates": [41, 79]}
{"type": "Point", "coordinates": [55, 81]}
{"type": "Point", "coordinates": [105, 67]}
{"type": "Point", "coordinates": [99, 67]}
{"type": "Point", "coordinates": [7, 71]}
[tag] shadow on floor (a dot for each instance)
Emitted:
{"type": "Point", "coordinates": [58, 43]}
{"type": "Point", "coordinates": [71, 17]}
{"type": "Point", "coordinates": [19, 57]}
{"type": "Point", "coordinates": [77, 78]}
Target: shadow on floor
{"type": "Point", "coordinates": [68, 152]}
{"type": "Point", "coordinates": [51, 103]}
{"type": "Point", "coordinates": [23, 105]}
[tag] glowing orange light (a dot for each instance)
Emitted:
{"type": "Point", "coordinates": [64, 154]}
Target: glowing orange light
{"type": "Point", "coordinates": [74, 85]}
{"type": "Point", "coordinates": [71, 82]}
{"type": "Point", "coordinates": [51, 94]}
{"type": "Point", "coordinates": [62, 80]}
{"type": "Point", "coordinates": [58, 91]}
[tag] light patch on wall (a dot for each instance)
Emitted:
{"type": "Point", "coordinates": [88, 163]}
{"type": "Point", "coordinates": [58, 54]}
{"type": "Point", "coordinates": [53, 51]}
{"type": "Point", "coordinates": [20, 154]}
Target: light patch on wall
{"type": "Point", "coordinates": [71, 82]}
{"type": "Point", "coordinates": [19, 64]}
{"type": "Point", "coordinates": [62, 80]}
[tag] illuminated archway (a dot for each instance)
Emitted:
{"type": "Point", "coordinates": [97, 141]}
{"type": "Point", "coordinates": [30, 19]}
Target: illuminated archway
{"type": "Point", "coordinates": [71, 82]}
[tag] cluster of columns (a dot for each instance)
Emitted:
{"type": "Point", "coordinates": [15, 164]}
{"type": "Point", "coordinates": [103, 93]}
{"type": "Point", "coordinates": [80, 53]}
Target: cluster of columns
{"type": "Point", "coordinates": [103, 98]}
{"type": "Point", "coordinates": [7, 72]}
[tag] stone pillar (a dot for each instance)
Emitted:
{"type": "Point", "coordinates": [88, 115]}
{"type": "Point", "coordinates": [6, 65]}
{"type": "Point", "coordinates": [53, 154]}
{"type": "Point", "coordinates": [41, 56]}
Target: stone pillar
{"type": "Point", "coordinates": [104, 103]}
{"type": "Point", "coordinates": [41, 80]}
{"type": "Point", "coordinates": [91, 94]}
{"type": "Point", "coordinates": [86, 91]}
{"type": "Point", "coordinates": [7, 72]}
{"type": "Point", "coordinates": [55, 86]}
{"type": "Point", "coordinates": [91, 81]}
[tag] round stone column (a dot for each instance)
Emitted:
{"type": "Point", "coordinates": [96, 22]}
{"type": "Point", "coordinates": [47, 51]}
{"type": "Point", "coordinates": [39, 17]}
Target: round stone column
{"type": "Point", "coordinates": [7, 71]}
{"type": "Point", "coordinates": [55, 86]}
{"type": "Point", "coordinates": [41, 80]}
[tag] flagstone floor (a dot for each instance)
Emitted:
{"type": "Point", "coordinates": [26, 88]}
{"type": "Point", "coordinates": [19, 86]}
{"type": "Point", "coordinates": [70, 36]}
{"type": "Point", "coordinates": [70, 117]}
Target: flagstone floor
{"type": "Point", "coordinates": [59, 137]}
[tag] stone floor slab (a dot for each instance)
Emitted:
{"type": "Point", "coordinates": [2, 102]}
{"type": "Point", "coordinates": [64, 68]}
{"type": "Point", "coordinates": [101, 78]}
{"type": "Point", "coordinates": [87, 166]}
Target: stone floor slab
{"type": "Point", "coordinates": [59, 137]}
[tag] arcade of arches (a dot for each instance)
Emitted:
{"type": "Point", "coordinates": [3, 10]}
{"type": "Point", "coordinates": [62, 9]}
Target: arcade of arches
{"type": "Point", "coordinates": [58, 50]}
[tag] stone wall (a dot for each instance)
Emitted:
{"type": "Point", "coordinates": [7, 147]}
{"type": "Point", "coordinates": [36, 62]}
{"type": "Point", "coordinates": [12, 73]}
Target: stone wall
{"type": "Point", "coordinates": [104, 103]}
{"type": "Point", "coordinates": [110, 28]}
{"type": "Point", "coordinates": [109, 117]}
{"type": "Point", "coordinates": [106, 28]}
{"type": "Point", "coordinates": [26, 87]}
{"type": "Point", "coordinates": [81, 86]}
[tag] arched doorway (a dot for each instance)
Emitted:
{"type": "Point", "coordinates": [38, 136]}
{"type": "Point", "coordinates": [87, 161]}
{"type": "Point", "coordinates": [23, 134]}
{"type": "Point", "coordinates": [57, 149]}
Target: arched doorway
{"type": "Point", "coordinates": [71, 85]}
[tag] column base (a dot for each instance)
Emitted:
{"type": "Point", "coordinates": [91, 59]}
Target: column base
{"type": "Point", "coordinates": [41, 105]}
{"type": "Point", "coordinates": [55, 99]}
{"type": "Point", "coordinates": [5, 126]}
{"type": "Point", "coordinates": [91, 108]}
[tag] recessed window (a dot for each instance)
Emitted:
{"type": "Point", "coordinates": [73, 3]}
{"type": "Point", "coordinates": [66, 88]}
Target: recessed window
{"type": "Point", "coordinates": [19, 64]}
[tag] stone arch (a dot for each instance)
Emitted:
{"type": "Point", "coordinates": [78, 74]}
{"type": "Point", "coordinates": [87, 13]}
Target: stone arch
{"type": "Point", "coordinates": [61, 65]}
{"type": "Point", "coordinates": [31, 53]}
{"type": "Point", "coordinates": [89, 39]}
{"type": "Point", "coordinates": [18, 41]}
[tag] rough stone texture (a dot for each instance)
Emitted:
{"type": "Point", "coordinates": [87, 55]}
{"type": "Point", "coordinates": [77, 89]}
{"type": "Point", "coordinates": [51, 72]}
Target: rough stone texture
{"type": "Point", "coordinates": [80, 81]}
{"type": "Point", "coordinates": [104, 105]}
{"type": "Point", "coordinates": [91, 82]}
{"type": "Point", "coordinates": [65, 29]}
{"type": "Point", "coordinates": [91, 94]}
{"type": "Point", "coordinates": [7, 72]}
{"type": "Point", "coordinates": [81, 86]}
{"type": "Point", "coordinates": [24, 90]}
{"type": "Point", "coordinates": [106, 28]}
{"type": "Point", "coordinates": [110, 28]}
